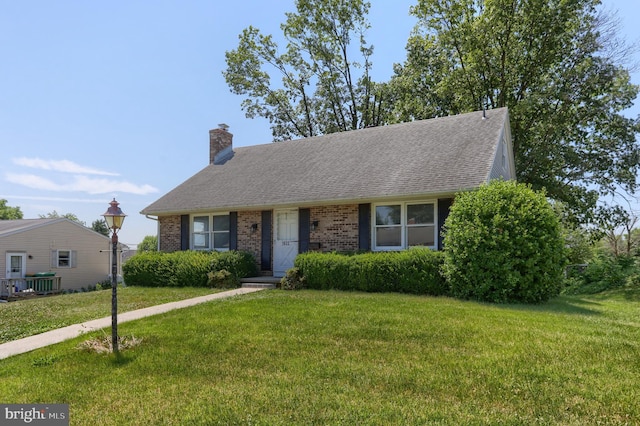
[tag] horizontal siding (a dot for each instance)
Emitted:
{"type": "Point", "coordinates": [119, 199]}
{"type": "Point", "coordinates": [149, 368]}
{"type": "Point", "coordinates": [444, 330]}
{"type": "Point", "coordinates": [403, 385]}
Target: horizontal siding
{"type": "Point", "coordinates": [498, 170]}
{"type": "Point", "coordinates": [93, 265]}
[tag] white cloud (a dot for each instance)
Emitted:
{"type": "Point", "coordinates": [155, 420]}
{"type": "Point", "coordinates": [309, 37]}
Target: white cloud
{"type": "Point", "coordinates": [50, 207]}
{"type": "Point", "coordinates": [33, 181]}
{"type": "Point", "coordinates": [102, 186]}
{"type": "Point", "coordinates": [64, 166]}
{"type": "Point", "coordinates": [80, 183]}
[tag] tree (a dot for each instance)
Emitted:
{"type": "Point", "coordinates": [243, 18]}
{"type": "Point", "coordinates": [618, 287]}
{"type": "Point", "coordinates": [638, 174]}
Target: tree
{"type": "Point", "coordinates": [54, 215]}
{"type": "Point", "coordinates": [622, 237]}
{"type": "Point", "coordinates": [8, 212]}
{"type": "Point", "coordinates": [100, 227]}
{"type": "Point", "coordinates": [323, 90]}
{"type": "Point", "coordinates": [149, 243]}
{"type": "Point", "coordinates": [555, 64]}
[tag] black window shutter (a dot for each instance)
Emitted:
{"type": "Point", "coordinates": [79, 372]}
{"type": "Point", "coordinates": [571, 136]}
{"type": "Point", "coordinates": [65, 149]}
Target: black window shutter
{"type": "Point", "coordinates": [184, 232]}
{"type": "Point", "coordinates": [304, 217]}
{"type": "Point", "coordinates": [265, 259]}
{"type": "Point", "coordinates": [233, 231]}
{"type": "Point", "coordinates": [364, 226]}
{"type": "Point", "coordinates": [444, 204]}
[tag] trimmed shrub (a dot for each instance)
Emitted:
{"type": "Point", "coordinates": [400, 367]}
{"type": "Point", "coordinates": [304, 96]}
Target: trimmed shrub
{"type": "Point", "coordinates": [185, 268]}
{"type": "Point", "coordinates": [293, 280]}
{"type": "Point", "coordinates": [143, 269]}
{"type": "Point", "coordinates": [222, 279]}
{"type": "Point", "coordinates": [412, 271]}
{"type": "Point", "coordinates": [503, 244]}
{"type": "Point", "coordinates": [240, 264]}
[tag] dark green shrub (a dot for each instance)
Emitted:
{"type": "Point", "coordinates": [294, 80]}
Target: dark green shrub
{"type": "Point", "coordinates": [293, 280]}
{"type": "Point", "coordinates": [185, 268]}
{"type": "Point", "coordinates": [189, 268]}
{"type": "Point", "coordinates": [142, 270]}
{"type": "Point", "coordinates": [412, 271]}
{"type": "Point", "coordinates": [222, 279]}
{"type": "Point", "coordinates": [240, 264]}
{"type": "Point", "coordinates": [104, 285]}
{"type": "Point", "coordinates": [604, 272]}
{"type": "Point", "coordinates": [503, 244]}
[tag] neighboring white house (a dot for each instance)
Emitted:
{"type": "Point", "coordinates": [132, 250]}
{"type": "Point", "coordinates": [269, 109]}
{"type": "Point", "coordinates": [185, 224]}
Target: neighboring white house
{"type": "Point", "coordinates": [79, 256]}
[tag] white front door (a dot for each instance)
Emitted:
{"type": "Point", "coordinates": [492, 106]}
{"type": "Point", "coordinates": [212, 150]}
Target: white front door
{"type": "Point", "coordinates": [16, 265]}
{"type": "Point", "coordinates": [285, 244]}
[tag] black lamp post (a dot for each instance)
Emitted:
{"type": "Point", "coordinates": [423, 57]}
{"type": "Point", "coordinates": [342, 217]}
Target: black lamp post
{"type": "Point", "coordinates": [114, 218]}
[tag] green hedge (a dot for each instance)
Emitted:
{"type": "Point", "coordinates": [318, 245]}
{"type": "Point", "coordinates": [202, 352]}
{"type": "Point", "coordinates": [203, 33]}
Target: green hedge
{"type": "Point", "coordinates": [412, 271]}
{"type": "Point", "coordinates": [185, 268]}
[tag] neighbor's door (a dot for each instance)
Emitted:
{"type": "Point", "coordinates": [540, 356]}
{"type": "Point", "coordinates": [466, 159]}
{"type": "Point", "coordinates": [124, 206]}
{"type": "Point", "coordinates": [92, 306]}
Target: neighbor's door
{"type": "Point", "coordinates": [16, 268]}
{"type": "Point", "coordinates": [16, 265]}
{"type": "Point", "coordinates": [285, 244]}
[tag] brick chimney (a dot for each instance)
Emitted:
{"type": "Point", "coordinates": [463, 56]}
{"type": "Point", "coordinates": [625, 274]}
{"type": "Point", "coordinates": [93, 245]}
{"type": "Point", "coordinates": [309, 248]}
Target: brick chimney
{"type": "Point", "coordinates": [220, 144]}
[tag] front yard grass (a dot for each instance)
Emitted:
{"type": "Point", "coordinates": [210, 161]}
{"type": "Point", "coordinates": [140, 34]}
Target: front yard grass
{"type": "Point", "coordinates": [33, 316]}
{"type": "Point", "coordinates": [313, 357]}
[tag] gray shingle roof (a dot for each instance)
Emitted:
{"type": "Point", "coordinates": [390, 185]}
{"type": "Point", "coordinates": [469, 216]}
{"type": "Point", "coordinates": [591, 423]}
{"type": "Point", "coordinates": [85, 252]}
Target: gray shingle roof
{"type": "Point", "coordinates": [8, 227]}
{"type": "Point", "coordinates": [420, 158]}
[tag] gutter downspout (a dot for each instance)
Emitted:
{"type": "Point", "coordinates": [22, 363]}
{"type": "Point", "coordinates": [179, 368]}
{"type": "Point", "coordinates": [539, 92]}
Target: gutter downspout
{"type": "Point", "coordinates": [157, 229]}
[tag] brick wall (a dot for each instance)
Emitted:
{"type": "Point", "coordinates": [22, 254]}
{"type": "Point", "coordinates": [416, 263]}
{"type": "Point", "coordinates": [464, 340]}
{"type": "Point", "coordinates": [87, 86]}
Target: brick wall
{"type": "Point", "coordinates": [247, 239]}
{"type": "Point", "coordinates": [169, 233]}
{"type": "Point", "coordinates": [337, 230]}
{"type": "Point", "coordinates": [337, 227]}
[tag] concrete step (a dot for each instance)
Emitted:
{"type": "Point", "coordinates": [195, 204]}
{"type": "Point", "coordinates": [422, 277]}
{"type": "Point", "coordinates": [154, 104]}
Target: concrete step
{"type": "Point", "coordinates": [260, 282]}
{"type": "Point", "coordinates": [258, 285]}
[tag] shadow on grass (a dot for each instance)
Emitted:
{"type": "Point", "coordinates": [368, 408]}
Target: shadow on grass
{"type": "Point", "coordinates": [120, 359]}
{"type": "Point", "coordinates": [631, 294]}
{"type": "Point", "coordinates": [575, 305]}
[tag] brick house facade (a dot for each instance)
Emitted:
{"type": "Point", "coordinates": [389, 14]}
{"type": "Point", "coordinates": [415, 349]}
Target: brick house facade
{"type": "Point", "coordinates": [381, 188]}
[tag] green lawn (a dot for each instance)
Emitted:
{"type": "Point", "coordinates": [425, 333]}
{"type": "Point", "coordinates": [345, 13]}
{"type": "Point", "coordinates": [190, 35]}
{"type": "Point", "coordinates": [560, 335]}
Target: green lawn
{"type": "Point", "coordinates": [27, 317]}
{"type": "Point", "coordinates": [314, 357]}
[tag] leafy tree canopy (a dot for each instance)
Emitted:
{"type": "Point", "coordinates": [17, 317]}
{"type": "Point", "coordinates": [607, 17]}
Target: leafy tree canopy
{"type": "Point", "coordinates": [555, 64]}
{"type": "Point", "coordinates": [54, 214]}
{"type": "Point", "coordinates": [321, 88]}
{"type": "Point", "coordinates": [8, 212]}
{"type": "Point", "coordinates": [149, 243]}
{"type": "Point", "coordinates": [100, 227]}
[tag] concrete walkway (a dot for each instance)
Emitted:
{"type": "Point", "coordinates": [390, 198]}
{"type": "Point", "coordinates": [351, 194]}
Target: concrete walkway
{"type": "Point", "coordinates": [30, 343]}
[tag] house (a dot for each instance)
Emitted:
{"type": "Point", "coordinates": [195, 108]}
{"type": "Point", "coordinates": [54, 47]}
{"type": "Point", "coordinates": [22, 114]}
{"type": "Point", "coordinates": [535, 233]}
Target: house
{"type": "Point", "coordinates": [73, 255]}
{"type": "Point", "coordinates": [379, 188]}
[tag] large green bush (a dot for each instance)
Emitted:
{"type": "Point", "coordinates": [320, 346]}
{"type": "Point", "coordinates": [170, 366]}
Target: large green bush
{"type": "Point", "coordinates": [185, 268]}
{"type": "Point", "coordinates": [503, 243]}
{"type": "Point", "coordinates": [412, 271]}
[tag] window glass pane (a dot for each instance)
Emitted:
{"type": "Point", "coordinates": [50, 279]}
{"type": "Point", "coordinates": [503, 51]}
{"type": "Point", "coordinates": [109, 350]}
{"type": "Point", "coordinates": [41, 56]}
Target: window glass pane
{"type": "Point", "coordinates": [16, 263]}
{"type": "Point", "coordinates": [63, 258]}
{"type": "Point", "coordinates": [287, 226]}
{"type": "Point", "coordinates": [389, 236]}
{"type": "Point", "coordinates": [221, 240]}
{"type": "Point", "coordinates": [201, 224]}
{"type": "Point", "coordinates": [420, 214]}
{"type": "Point", "coordinates": [220, 223]}
{"type": "Point", "coordinates": [201, 241]}
{"type": "Point", "coordinates": [388, 215]}
{"type": "Point", "coordinates": [421, 236]}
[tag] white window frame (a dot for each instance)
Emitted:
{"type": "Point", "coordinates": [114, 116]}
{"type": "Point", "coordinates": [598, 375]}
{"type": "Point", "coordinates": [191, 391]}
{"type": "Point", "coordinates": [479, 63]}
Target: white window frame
{"type": "Point", "coordinates": [71, 260]}
{"type": "Point", "coordinates": [210, 233]}
{"type": "Point", "coordinates": [403, 225]}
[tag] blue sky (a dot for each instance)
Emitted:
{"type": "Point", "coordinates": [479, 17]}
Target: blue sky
{"type": "Point", "coordinates": [116, 99]}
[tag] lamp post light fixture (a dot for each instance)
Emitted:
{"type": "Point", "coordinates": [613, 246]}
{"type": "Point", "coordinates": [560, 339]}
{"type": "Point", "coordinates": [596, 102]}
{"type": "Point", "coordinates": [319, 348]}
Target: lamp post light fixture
{"type": "Point", "coordinates": [114, 218]}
